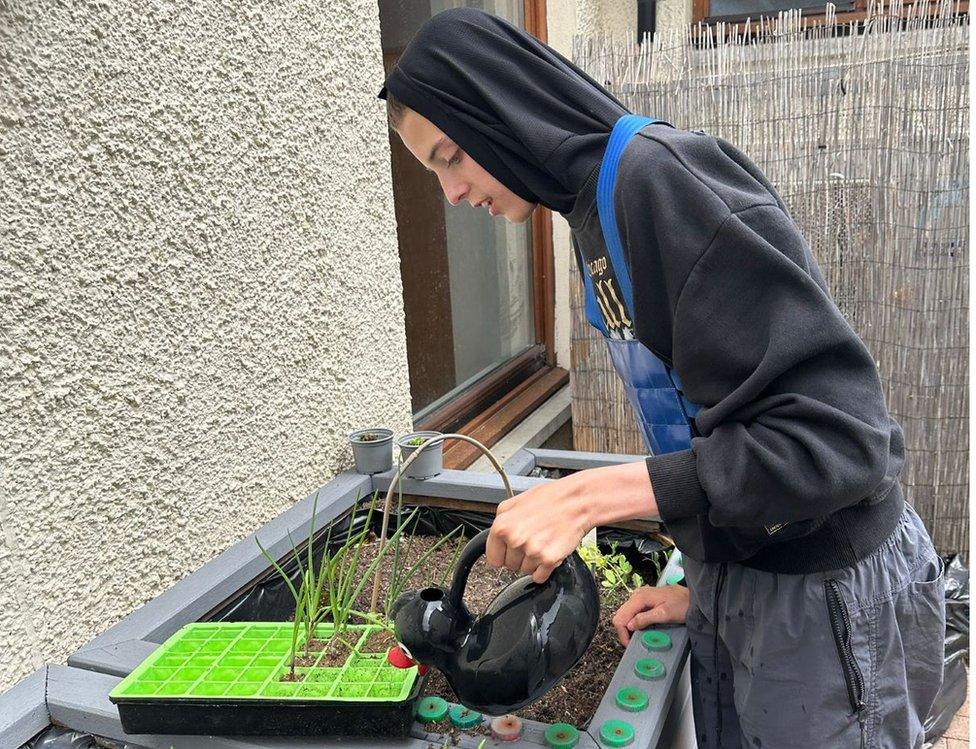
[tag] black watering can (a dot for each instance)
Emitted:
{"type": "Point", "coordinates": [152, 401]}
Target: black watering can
{"type": "Point", "coordinates": [526, 640]}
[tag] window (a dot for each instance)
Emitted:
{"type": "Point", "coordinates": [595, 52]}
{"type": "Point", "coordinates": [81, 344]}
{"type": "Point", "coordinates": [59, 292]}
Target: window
{"type": "Point", "coordinates": [477, 291]}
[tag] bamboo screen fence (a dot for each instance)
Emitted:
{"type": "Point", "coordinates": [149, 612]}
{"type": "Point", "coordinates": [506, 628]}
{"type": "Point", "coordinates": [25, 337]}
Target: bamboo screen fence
{"type": "Point", "coordinates": [864, 133]}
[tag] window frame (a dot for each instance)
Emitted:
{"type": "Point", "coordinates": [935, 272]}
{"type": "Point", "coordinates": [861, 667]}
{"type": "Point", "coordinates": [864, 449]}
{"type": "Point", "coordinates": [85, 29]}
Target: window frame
{"type": "Point", "coordinates": [495, 403]}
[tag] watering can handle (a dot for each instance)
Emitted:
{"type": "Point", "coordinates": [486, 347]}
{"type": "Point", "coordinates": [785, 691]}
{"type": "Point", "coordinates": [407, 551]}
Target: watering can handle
{"type": "Point", "coordinates": [472, 551]}
{"type": "Point", "coordinates": [395, 482]}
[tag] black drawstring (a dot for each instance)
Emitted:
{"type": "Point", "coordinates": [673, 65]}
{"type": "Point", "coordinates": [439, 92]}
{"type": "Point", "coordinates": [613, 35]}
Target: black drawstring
{"type": "Point", "coordinates": [719, 583]}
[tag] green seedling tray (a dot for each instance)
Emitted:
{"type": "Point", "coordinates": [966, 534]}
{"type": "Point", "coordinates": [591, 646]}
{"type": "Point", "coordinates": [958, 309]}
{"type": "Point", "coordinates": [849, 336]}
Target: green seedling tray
{"type": "Point", "coordinates": [229, 676]}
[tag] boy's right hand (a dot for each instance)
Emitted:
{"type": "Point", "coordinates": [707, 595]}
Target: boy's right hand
{"type": "Point", "coordinates": [647, 606]}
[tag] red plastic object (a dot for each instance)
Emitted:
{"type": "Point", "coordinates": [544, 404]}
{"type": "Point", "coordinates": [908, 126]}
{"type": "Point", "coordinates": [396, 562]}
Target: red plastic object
{"type": "Point", "coordinates": [398, 659]}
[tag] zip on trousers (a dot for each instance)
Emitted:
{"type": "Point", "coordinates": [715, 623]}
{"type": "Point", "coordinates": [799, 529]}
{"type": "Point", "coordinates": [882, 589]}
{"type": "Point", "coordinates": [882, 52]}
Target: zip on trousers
{"type": "Point", "coordinates": [840, 625]}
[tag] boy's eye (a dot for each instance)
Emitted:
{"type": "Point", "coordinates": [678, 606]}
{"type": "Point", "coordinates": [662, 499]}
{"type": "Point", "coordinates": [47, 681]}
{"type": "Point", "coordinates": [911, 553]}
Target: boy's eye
{"type": "Point", "coordinates": [454, 159]}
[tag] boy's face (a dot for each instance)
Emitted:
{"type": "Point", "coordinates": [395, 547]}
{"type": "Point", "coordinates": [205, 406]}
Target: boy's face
{"type": "Point", "coordinates": [461, 177]}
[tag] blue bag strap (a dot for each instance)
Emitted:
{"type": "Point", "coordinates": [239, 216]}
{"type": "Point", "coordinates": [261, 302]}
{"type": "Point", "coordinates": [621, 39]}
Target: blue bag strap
{"type": "Point", "coordinates": [624, 129]}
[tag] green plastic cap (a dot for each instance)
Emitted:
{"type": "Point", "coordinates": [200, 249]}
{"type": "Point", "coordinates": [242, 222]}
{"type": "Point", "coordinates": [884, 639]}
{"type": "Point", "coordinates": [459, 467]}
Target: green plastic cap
{"type": "Point", "coordinates": [674, 578]}
{"type": "Point", "coordinates": [465, 717]}
{"type": "Point", "coordinates": [632, 699]}
{"type": "Point", "coordinates": [431, 709]}
{"type": "Point", "coordinates": [561, 736]}
{"type": "Point", "coordinates": [655, 639]}
{"type": "Point", "coordinates": [649, 668]}
{"type": "Point", "coordinates": [616, 733]}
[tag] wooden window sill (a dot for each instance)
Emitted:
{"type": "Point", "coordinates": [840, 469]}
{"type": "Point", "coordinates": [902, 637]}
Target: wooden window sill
{"type": "Point", "coordinates": [501, 417]}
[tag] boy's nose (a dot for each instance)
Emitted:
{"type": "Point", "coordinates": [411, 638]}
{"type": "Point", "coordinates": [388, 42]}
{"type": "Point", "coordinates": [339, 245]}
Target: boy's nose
{"type": "Point", "coordinates": [454, 192]}
{"type": "Point", "coordinates": [456, 196]}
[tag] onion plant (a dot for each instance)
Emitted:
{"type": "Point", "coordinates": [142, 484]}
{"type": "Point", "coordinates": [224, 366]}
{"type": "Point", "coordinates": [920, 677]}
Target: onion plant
{"type": "Point", "coordinates": [400, 575]}
{"type": "Point", "coordinates": [331, 588]}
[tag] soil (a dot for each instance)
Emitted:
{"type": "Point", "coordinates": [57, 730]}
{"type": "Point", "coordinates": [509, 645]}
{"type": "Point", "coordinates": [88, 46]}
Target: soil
{"type": "Point", "coordinates": [446, 728]}
{"type": "Point", "coordinates": [576, 697]}
{"type": "Point", "coordinates": [379, 642]}
{"type": "Point", "coordinates": [336, 656]}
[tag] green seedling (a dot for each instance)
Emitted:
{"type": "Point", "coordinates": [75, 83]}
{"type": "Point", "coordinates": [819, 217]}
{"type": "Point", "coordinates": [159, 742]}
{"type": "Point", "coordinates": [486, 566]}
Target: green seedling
{"type": "Point", "coordinates": [613, 570]}
{"type": "Point", "coordinates": [416, 441]}
{"type": "Point", "coordinates": [368, 437]}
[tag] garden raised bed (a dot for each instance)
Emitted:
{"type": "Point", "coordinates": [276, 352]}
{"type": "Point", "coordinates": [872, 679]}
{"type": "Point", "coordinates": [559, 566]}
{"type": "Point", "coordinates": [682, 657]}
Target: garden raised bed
{"type": "Point", "coordinates": [210, 593]}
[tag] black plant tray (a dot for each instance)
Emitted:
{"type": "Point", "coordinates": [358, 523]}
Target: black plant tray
{"type": "Point", "coordinates": [270, 717]}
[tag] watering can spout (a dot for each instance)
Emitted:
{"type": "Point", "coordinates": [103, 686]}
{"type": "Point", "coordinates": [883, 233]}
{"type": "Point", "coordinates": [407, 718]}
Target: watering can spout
{"type": "Point", "coordinates": [524, 642]}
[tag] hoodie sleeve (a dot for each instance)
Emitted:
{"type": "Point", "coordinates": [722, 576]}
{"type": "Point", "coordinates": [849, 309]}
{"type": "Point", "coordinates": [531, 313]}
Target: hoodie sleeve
{"type": "Point", "coordinates": [793, 423]}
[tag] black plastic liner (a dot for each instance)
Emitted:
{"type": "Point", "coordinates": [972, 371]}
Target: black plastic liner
{"type": "Point", "coordinates": [952, 694]}
{"type": "Point", "coordinates": [65, 738]}
{"type": "Point", "coordinates": [270, 600]}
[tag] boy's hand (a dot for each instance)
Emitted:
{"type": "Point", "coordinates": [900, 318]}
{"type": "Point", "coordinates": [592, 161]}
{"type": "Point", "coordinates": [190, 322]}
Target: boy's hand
{"type": "Point", "coordinates": [536, 530]}
{"type": "Point", "coordinates": [647, 606]}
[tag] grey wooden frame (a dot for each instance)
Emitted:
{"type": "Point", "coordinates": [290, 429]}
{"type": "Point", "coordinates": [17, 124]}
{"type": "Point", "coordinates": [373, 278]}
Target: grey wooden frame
{"type": "Point", "coordinates": [77, 694]}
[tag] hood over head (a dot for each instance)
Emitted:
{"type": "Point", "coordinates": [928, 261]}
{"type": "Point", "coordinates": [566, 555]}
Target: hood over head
{"type": "Point", "coordinates": [532, 119]}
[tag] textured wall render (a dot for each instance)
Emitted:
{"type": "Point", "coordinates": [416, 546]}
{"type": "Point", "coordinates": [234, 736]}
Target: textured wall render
{"type": "Point", "coordinates": [199, 290]}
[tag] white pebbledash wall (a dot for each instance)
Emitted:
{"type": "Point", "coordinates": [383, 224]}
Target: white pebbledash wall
{"type": "Point", "coordinates": [199, 290]}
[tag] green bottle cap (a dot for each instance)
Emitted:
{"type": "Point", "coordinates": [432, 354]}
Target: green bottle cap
{"type": "Point", "coordinates": [616, 733]}
{"type": "Point", "coordinates": [674, 578]}
{"type": "Point", "coordinates": [561, 736]}
{"type": "Point", "coordinates": [649, 668]}
{"type": "Point", "coordinates": [431, 709]}
{"type": "Point", "coordinates": [655, 639]}
{"type": "Point", "coordinates": [632, 699]}
{"type": "Point", "coordinates": [465, 717]}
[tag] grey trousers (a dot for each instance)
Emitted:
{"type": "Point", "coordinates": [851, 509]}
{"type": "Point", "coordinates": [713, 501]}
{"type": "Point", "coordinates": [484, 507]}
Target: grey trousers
{"type": "Point", "coordinates": [846, 658]}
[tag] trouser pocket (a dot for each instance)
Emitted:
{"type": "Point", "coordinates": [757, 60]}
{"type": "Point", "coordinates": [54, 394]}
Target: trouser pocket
{"type": "Point", "coordinates": [840, 625]}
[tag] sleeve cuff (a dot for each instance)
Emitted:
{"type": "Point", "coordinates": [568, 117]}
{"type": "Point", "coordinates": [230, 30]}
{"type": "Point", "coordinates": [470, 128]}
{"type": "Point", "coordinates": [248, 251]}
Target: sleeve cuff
{"type": "Point", "coordinates": [674, 478]}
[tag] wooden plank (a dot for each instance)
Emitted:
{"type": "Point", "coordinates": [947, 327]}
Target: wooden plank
{"type": "Point", "coordinates": [486, 391]}
{"type": "Point", "coordinates": [650, 528]}
{"type": "Point", "coordinates": [498, 420]}
{"type": "Point", "coordinates": [754, 29]}
{"type": "Point", "coordinates": [536, 20]}
{"type": "Point", "coordinates": [543, 278]}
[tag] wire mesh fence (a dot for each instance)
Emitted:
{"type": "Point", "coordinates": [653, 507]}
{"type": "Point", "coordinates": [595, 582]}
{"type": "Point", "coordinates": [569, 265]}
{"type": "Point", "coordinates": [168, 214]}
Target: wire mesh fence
{"type": "Point", "coordinates": [864, 131]}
